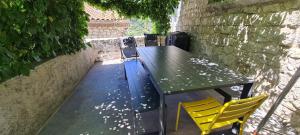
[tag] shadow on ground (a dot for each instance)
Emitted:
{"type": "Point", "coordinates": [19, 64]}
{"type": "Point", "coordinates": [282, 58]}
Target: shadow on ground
{"type": "Point", "coordinates": [101, 104]}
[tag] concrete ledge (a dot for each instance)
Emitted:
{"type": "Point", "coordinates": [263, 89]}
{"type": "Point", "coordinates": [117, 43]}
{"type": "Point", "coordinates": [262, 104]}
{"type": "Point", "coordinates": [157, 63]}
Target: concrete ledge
{"type": "Point", "coordinates": [109, 48]}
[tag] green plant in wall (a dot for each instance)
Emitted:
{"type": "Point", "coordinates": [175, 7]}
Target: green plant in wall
{"type": "Point", "coordinates": [156, 10]}
{"type": "Point", "coordinates": [32, 31]}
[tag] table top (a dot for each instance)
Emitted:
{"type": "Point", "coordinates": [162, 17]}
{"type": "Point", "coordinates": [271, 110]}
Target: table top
{"type": "Point", "coordinates": [177, 71]}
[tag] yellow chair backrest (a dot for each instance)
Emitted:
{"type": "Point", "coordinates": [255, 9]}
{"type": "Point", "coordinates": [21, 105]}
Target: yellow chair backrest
{"type": "Point", "coordinates": [236, 109]}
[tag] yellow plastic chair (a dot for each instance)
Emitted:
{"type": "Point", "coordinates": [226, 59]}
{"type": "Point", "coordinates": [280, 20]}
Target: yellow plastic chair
{"type": "Point", "coordinates": [209, 114]}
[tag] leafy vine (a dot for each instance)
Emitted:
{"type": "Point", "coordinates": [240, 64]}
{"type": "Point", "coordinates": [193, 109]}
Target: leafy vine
{"type": "Point", "coordinates": [157, 10]}
{"type": "Point", "coordinates": [32, 31]}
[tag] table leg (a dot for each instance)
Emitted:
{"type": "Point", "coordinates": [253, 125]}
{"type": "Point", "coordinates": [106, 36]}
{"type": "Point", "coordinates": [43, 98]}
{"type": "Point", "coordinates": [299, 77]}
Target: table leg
{"type": "Point", "coordinates": [246, 90]}
{"type": "Point", "coordinates": [162, 115]}
{"type": "Point", "coordinates": [226, 96]}
{"type": "Point", "coordinates": [162, 109]}
{"type": "Point", "coordinates": [245, 94]}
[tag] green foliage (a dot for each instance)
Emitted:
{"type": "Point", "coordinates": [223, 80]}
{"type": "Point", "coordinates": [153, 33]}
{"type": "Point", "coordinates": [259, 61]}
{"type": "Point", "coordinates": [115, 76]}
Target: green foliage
{"type": "Point", "coordinates": [34, 30]}
{"type": "Point", "coordinates": [137, 27]}
{"type": "Point", "coordinates": [157, 10]}
{"type": "Point", "coordinates": [216, 1]}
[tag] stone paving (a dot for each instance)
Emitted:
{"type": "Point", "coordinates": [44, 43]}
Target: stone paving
{"type": "Point", "coordinates": [101, 104]}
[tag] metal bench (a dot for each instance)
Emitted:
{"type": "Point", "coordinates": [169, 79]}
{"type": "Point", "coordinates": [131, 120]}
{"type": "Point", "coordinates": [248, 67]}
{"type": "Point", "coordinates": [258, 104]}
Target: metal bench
{"type": "Point", "coordinates": [143, 94]}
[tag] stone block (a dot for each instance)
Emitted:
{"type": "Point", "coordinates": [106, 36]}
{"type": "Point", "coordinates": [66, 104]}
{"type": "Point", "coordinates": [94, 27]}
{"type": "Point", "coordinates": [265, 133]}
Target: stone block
{"type": "Point", "coordinates": [203, 21]}
{"type": "Point", "coordinates": [292, 4]}
{"type": "Point", "coordinates": [233, 42]}
{"type": "Point", "coordinates": [227, 29]}
{"type": "Point", "coordinates": [211, 29]}
{"type": "Point", "coordinates": [237, 20]}
{"type": "Point", "coordinates": [254, 19]}
{"type": "Point", "coordinates": [272, 8]}
{"type": "Point", "coordinates": [292, 18]}
{"type": "Point", "coordinates": [289, 36]}
{"type": "Point", "coordinates": [265, 34]}
{"type": "Point", "coordinates": [295, 120]}
{"type": "Point", "coordinates": [251, 9]}
{"type": "Point", "coordinates": [276, 18]}
{"type": "Point", "coordinates": [294, 53]}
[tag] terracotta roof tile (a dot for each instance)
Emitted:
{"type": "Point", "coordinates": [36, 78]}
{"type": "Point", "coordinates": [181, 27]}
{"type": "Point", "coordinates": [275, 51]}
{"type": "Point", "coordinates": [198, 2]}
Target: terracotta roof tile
{"type": "Point", "coordinates": [96, 14]}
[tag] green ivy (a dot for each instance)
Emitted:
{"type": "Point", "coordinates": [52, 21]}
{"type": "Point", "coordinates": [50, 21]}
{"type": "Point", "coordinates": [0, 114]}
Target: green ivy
{"type": "Point", "coordinates": [157, 10]}
{"type": "Point", "coordinates": [32, 31]}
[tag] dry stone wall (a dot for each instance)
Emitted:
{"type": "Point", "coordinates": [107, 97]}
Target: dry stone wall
{"type": "Point", "coordinates": [260, 39]}
{"type": "Point", "coordinates": [106, 32]}
{"type": "Point", "coordinates": [107, 29]}
{"type": "Point", "coordinates": [26, 102]}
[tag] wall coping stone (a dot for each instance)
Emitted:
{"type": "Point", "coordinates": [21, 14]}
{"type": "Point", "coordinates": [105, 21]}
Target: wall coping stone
{"type": "Point", "coordinates": [97, 39]}
{"type": "Point", "coordinates": [221, 6]}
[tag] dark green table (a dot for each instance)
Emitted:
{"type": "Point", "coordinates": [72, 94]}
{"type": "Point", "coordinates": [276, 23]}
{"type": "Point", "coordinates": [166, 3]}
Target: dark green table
{"type": "Point", "coordinates": [174, 71]}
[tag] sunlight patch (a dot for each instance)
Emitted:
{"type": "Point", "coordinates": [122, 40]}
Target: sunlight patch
{"type": "Point", "coordinates": [110, 62]}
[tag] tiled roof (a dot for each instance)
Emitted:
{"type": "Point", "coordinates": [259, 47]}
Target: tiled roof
{"type": "Point", "coordinates": [96, 14]}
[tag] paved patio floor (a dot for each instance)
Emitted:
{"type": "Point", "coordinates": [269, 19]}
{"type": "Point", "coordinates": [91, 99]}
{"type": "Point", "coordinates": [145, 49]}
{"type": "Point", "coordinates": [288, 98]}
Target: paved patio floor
{"type": "Point", "coordinates": [101, 104]}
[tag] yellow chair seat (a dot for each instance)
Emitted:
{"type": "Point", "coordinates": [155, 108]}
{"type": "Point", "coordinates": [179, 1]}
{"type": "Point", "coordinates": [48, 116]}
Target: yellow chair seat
{"type": "Point", "coordinates": [203, 112]}
{"type": "Point", "coordinates": [209, 114]}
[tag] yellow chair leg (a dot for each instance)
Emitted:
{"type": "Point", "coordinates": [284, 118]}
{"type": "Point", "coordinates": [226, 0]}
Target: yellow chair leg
{"type": "Point", "coordinates": [241, 129]}
{"type": "Point", "coordinates": [204, 133]}
{"type": "Point", "coordinates": [243, 124]}
{"type": "Point", "coordinates": [178, 115]}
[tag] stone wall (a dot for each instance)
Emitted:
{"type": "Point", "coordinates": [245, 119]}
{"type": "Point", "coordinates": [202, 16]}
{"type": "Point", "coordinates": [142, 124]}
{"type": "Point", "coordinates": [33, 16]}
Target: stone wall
{"type": "Point", "coordinates": [107, 28]}
{"type": "Point", "coordinates": [259, 38]}
{"type": "Point", "coordinates": [26, 102]}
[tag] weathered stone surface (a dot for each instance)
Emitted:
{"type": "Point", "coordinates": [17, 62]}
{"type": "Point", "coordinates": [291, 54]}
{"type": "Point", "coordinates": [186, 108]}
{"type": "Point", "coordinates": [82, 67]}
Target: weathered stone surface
{"type": "Point", "coordinates": [294, 121]}
{"type": "Point", "coordinates": [259, 38]}
{"type": "Point", "coordinates": [26, 102]}
{"type": "Point", "coordinates": [107, 28]}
